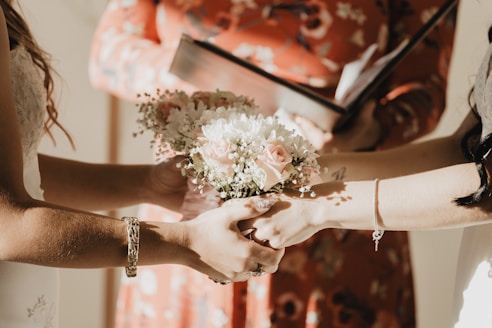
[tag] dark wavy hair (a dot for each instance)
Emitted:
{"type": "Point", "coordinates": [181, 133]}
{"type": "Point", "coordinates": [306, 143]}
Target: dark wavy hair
{"type": "Point", "coordinates": [476, 148]}
{"type": "Point", "coordinates": [20, 34]}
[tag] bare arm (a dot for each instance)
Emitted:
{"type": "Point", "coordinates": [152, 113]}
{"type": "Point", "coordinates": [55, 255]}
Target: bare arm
{"type": "Point", "coordinates": [419, 201]}
{"type": "Point", "coordinates": [92, 187]}
{"type": "Point", "coordinates": [407, 159]}
{"type": "Point", "coordinates": [422, 201]}
{"type": "Point", "coordinates": [418, 186]}
{"type": "Point", "coordinates": [43, 233]}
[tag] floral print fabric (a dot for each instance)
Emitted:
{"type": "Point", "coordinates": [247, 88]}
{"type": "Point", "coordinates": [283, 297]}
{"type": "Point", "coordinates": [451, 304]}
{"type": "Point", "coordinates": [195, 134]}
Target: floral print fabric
{"type": "Point", "coordinates": [335, 279]}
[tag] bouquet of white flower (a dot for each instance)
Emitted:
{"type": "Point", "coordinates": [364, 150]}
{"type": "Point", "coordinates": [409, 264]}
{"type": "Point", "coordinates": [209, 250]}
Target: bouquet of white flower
{"type": "Point", "coordinates": [227, 144]}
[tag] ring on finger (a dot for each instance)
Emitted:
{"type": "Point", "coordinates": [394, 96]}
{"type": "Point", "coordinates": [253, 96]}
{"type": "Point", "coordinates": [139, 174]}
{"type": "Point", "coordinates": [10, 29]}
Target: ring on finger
{"type": "Point", "coordinates": [258, 272]}
{"type": "Point", "coordinates": [218, 281]}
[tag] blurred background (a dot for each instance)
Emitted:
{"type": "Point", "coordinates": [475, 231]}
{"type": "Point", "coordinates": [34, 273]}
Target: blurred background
{"type": "Point", "coordinates": [102, 129]}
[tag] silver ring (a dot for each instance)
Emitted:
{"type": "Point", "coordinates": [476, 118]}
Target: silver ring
{"type": "Point", "coordinates": [222, 282]}
{"type": "Point", "coordinates": [258, 272]}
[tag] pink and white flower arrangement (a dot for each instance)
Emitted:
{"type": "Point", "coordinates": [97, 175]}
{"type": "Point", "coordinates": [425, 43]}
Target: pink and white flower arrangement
{"type": "Point", "coordinates": [227, 144]}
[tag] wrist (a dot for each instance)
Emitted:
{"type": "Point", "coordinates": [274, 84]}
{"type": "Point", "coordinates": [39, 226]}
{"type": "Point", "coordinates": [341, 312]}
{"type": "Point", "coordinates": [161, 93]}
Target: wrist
{"type": "Point", "coordinates": [164, 185]}
{"type": "Point", "coordinates": [343, 205]}
{"type": "Point", "coordinates": [134, 184]}
{"type": "Point", "coordinates": [175, 244]}
{"type": "Point", "coordinates": [152, 188]}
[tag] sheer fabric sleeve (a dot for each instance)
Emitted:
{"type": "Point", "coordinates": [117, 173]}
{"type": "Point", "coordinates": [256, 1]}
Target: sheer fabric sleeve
{"type": "Point", "coordinates": [127, 57]}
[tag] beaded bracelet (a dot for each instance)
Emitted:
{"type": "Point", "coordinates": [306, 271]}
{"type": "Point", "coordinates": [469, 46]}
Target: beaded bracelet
{"type": "Point", "coordinates": [133, 230]}
{"type": "Point", "coordinates": [377, 234]}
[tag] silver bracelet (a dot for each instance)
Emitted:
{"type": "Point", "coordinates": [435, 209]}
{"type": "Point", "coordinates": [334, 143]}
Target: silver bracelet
{"type": "Point", "coordinates": [133, 230]}
{"type": "Point", "coordinates": [377, 234]}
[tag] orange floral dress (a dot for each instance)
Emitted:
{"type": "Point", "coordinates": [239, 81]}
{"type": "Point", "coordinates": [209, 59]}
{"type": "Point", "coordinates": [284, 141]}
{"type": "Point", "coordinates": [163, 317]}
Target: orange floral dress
{"type": "Point", "coordinates": [335, 279]}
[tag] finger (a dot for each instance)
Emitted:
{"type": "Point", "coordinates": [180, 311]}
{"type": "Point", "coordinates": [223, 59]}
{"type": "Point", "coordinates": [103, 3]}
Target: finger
{"type": "Point", "coordinates": [270, 261]}
{"type": "Point", "coordinates": [246, 208]}
{"type": "Point", "coordinates": [317, 136]}
{"type": "Point", "coordinates": [368, 110]}
{"type": "Point", "coordinates": [246, 226]}
{"type": "Point", "coordinates": [246, 232]}
{"type": "Point", "coordinates": [308, 126]}
{"type": "Point", "coordinates": [250, 233]}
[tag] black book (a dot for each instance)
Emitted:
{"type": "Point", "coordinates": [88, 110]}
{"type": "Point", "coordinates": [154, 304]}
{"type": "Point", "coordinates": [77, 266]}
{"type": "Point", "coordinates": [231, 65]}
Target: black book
{"type": "Point", "coordinates": [209, 67]}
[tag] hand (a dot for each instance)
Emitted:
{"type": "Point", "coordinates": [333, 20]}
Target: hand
{"type": "Point", "coordinates": [196, 202]}
{"type": "Point", "coordinates": [362, 133]}
{"type": "Point", "coordinates": [224, 254]}
{"type": "Point", "coordinates": [167, 184]}
{"type": "Point", "coordinates": [284, 225]}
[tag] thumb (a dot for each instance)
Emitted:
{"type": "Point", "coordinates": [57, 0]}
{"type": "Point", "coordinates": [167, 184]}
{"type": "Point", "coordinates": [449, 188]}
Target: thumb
{"type": "Point", "coordinates": [176, 162]}
{"type": "Point", "coordinates": [252, 206]}
{"type": "Point", "coordinates": [311, 131]}
{"type": "Point", "coordinates": [367, 112]}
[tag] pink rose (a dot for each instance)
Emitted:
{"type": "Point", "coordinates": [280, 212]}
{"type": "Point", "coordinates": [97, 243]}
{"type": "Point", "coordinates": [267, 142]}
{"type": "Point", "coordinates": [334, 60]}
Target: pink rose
{"type": "Point", "coordinates": [273, 162]}
{"type": "Point", "coordinates": [216, 155]}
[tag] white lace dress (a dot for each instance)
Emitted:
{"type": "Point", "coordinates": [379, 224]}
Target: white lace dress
{"type": "Point", "coordinates": [473, 289]}
{"type": "Point", "coordinates": [28, 293]}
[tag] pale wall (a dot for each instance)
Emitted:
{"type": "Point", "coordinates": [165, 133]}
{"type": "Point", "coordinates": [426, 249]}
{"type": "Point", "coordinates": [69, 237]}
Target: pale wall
{"type": "Point", "coordinates": [435, 253]}
{"type": "Point", "coordinates": [64, 28]}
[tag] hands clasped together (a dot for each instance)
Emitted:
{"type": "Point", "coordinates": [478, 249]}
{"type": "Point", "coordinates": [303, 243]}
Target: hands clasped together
{"type": "Point", "coordinates": [216, 245]}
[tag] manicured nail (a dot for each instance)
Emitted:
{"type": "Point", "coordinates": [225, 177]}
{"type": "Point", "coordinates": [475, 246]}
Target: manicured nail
{"type": "Point", "coordinates": [262, 204]}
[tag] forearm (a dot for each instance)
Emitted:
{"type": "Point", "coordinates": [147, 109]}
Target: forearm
{"type": "Point", "coordinates": [408, 159]}
{"type": "Point", "coordinates": [44, 234]}
{"type": "Point", "coordinates": [422, 201]}
{"type": "Point", "coordinates": [94, 186]}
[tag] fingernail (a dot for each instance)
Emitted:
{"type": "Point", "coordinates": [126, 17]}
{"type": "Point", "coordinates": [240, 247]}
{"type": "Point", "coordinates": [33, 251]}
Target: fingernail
{"type": "Point", "coordinates": [262, 204]}
{"type": "Point", "coordinates": [248, 233]}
